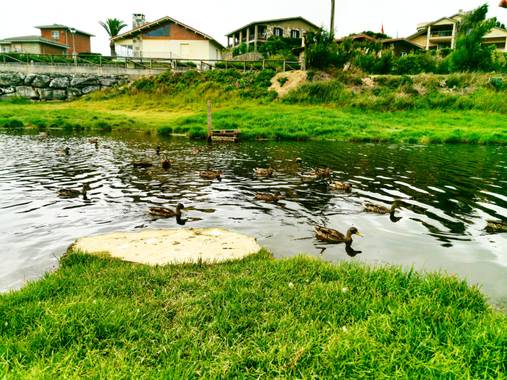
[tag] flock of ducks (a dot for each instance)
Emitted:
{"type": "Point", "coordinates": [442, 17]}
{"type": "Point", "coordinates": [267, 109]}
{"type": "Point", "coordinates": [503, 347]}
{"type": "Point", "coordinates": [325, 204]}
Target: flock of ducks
{"type": "Point", "coordinates": [322, 233]}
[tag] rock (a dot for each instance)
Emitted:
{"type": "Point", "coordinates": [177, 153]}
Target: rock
{"type": "Point", "coordinates": [29, 79]}
{"type": "Point", "coordinates": [179, 246]}
{"type": "Point", "coordinates": [108, 82]}
{"type": "Point", "coordinates": [60, 82]}
{"type": "Point", "coordinates": [51, 94]}
{"type": "Point", "coordinates": [27, 92]}
{"type": "Point", "coordinates": [7, 90]}
{"type": "Point", "coordinates": [73, 93]}
{"type": "Point", "coordinates": [11, 79]}
{"type": "Point", "coordinates": [84, 81]}
{"type": "Point", "coordinates": [88, 89]}
{"type": "Point", "coordinates": [41, 81]}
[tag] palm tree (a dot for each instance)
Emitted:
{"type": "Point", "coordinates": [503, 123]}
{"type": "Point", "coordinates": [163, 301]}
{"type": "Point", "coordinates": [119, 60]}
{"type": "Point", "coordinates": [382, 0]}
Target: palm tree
{"type": "Point", "coordinates": [113, 27]}
{"type": "Point", "coordinates": [331, 30]}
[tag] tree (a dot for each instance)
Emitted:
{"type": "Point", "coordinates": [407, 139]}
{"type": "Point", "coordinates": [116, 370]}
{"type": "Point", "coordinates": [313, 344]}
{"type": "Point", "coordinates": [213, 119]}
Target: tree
{"type": "Point", "coordinates": [470, 53]}
{"type": "Point", "coordinates": [113, 27]}
{"type": "Point", "coordinates": [331, 30]}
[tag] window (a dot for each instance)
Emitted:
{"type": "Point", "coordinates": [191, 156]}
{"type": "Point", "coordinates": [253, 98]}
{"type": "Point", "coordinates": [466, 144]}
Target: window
{"type": "Point", "coordinates": [295, 34]}
{"type": "Point", "coordinates": [162, 31]}
{"type": "Point", "coordinates": [55, 35]}
{"type": "Point", "coordinates": [278, 32]}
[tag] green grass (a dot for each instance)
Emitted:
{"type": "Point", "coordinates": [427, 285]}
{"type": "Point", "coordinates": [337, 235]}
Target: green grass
{"type": "Point", "coordinates": [459, 108]}
{"type": "Point", "coordinates": [259, 318]}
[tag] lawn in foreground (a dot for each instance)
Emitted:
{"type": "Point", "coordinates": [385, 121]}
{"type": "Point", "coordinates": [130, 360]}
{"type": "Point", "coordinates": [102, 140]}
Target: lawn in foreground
{"type": "Point", "coordinates": [98, 317]}
{"type": "Point", "coordinates": [273, 121]}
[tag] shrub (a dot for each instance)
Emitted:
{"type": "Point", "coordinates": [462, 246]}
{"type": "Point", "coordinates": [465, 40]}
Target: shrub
{"type": "Point", "coordinates": [282, 81]}
{"type": "Point", "coordinates": [165, 131]}
{"type": "Point", "coordinates": [11, 123]}
{"type": "Point", "coordinates": [497, 84]}
{"type": "Point", "coordinates": [103, 126]}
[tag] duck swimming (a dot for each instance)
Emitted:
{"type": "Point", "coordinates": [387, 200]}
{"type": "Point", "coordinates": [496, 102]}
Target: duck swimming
{"type": "Point", "coordinates": [163, 212]}
{"type": "Point", "coordinates": [211, 174]}
{"type": "Point", "coordinates": [379, 209]}
{"type": "Point", "coordinates": [262, 172]}
{"type": "Point", "coordinates": [496, 226]}
{"type": "Point", "coordinates": [344, 186]}
{"type": "Point", "coordinates": [71, 193]}
{"type": "Point", "coordinates": [64, 152]}
{"type": "Point", "coordinates": [329, 235]}
{"type": "Point", "coordinates": [266, 197]}
{"type": "Point", "coordinates": [166, 164]}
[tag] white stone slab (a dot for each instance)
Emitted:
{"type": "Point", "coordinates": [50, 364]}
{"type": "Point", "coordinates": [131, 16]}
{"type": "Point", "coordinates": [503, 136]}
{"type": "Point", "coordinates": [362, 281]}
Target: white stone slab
{"type": "Point", "coordinates": [178, 246]}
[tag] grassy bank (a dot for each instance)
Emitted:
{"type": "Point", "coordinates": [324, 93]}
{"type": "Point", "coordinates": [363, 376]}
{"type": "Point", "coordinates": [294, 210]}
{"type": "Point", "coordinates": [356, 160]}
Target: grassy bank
{"type": "Point", "coordinates": [465, 108]}
{"type": "Point", "coordinates": [98, 317]}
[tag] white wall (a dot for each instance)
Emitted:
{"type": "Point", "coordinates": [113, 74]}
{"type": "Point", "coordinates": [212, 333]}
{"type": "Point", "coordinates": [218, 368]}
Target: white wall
{"type": "Point", "coordinates": [193, 50]}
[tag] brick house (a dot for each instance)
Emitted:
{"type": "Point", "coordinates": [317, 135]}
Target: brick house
{"type": "Point", "coordinates": [76, 40]}
{"type": "Point", "coordinates": [166, 38]}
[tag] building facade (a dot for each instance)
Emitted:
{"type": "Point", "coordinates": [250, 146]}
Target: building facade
{"type": "Point", "coordinates": [32, 45]}
{"type": "Point", "coordinates": [443, 33]}
{"type": "Point", "coordinates": [166, 38]}
{"type": "Point", "coordinates": [259, 32]}
{"type": "Point", "coordinates": [76, 40]}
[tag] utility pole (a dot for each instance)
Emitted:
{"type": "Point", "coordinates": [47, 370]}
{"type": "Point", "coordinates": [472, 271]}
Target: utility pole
{"type": "Point", "coordinates": [331, 29]}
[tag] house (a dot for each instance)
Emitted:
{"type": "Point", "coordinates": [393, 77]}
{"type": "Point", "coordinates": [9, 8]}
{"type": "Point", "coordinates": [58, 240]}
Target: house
{"type": "Point", "coordinates": [32, 45]}
{"type": "Point", "coordinates": [442, 33]}
{"type": "Point", "coordinates": [166, 38]}
{"type": "Point", "coordinates": [259, 32]}
{"type": "Point", "coordinates": [400, 46]}
{"type": "Point", "coordinates": [76, 40]}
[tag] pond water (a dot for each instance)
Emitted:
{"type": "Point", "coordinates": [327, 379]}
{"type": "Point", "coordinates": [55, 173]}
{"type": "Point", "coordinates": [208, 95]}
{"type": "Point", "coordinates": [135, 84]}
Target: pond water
{"type": "Point", "coordinates": [447, 194]}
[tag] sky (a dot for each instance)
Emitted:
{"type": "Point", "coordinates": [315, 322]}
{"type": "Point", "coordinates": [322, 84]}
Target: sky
{"type": "Point", "coordinates": [219, 17]}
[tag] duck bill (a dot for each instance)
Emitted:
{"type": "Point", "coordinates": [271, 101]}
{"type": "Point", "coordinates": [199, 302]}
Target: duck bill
{"type": "Point", "coordinates": [360, 234]}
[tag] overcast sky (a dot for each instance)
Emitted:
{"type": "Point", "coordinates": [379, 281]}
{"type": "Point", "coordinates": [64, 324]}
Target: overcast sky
{"type": "Point", "coordinates": [218, 17]}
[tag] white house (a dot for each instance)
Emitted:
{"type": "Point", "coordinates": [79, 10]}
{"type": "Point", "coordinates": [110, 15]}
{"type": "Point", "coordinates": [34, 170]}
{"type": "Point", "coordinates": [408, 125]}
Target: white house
{"type": "Point", "coordinates": [166, 38]}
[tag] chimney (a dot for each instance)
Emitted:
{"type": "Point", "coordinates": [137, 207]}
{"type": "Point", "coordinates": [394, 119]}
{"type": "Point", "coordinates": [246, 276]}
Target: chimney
{"type": "Point", "coordinates": [138, 19]}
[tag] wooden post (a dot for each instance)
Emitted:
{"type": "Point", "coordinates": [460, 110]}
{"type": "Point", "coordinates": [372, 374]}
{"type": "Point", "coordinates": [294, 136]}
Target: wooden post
{"type": "Point", "coordinates": [210, 122]}
{"type": "Point", "coordinates": [284, 65]}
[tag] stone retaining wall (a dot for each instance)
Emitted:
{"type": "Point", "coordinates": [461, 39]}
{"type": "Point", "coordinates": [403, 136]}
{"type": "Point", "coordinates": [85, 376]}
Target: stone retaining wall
{"type": "Point", "coordinates": [55, 86]}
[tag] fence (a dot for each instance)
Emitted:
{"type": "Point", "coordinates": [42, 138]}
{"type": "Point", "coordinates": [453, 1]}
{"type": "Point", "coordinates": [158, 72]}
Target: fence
{"type": "Point", "coordinates": [177, 64]}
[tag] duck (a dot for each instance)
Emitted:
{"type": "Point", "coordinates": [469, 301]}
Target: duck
{"type": "Point", "coordinates": [167, 212]}
{"type": "Point", "coordinates": [316, 174]}
{"type": "Point", "coordinates": [263, 172]}
{"type": "Point", "coordinates": [329, 235]}
{"type": "Point", "coordinates": [299, 160]}
{"type": "Point", "coordinates": [496, 226]}
{"type": "Point", "coordinates": [93, 141]}
{"type": "Point", "coordinates": [142, 164]}
{"type": "Point", "coordinates": [266, 197]}
{"type": "Point", "coordinates": [344, 186]}
{"type": "Point", "coordinates": [71, 193]}
{"type": "Point", "coordinates": [196, 150]}
{"type": "Point", "coordinates": [157, 151]}
{"type": "Point", "coordinates": [379, 209]}
{"type": "Point", "coordinates": [64, 152]}
{"type": "Point", "coordinates": [211, 174]}
{"type": "Point", "coordinates": [166, 164]}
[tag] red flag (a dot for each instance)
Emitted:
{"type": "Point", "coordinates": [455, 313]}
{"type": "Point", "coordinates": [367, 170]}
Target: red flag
{"type": "Point", "coordinates": [382, 29]}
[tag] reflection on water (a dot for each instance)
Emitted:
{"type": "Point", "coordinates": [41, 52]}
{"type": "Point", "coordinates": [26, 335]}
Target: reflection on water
{"type": "Point", "coordinates": [446, 193]}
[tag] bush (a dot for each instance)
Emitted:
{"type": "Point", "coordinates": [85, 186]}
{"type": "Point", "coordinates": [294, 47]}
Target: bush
{"type": "Point", "coordinates": [165, 131]}
{"type": "Point", "coordinates": [415, 64]}
{"type": "Point", "coordinates": [497, 84]}
{"type": "Point", "coordinates": [103, 126]}
{"type": "Point", "coordinates": [11, 123]}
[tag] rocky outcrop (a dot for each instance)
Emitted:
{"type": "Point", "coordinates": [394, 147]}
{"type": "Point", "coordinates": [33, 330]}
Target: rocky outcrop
{"type": "Point", "coordinates": [55, 86]}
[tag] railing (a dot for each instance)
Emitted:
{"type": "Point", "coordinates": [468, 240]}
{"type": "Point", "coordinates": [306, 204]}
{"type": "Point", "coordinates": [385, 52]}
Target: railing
{"type": "Point", "coordinates": [178, 64]}
{"type": "Point", "coordinates": [442, 33]}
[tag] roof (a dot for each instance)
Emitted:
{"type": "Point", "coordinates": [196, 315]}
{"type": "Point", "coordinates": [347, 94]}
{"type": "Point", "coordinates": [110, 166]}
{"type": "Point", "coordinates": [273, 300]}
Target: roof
{"type": "Point", "coordinates": [403, 40]}
{"type": "Point", "coordinates": [38, 39]}
{"type": "Point", "coordinates": [163, 20]}
{"type": "Point", "coordinates": [275, 21]}
{"type": "Point", "coordinates": [60, 26]}
{"type": "Point", "coordinates": [360, 36]}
